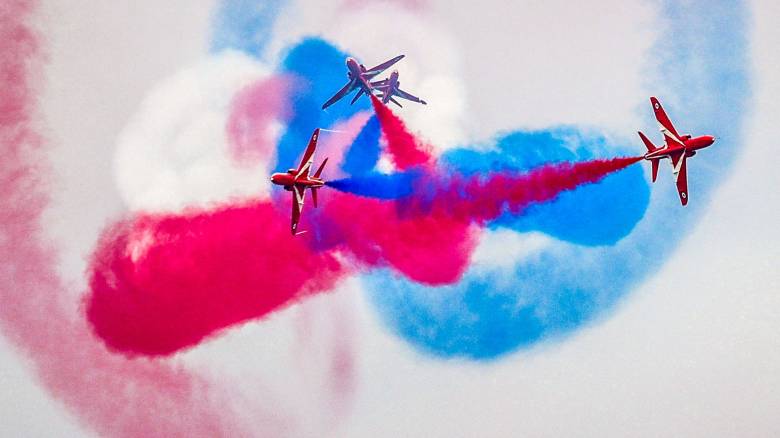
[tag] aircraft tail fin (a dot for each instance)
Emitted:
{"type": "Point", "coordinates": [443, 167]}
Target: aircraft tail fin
{"type": "Point", "coordinates": [314, 197]}
{"type": "Point", "coordinates": [319, 171]}
{"type": "Point", "coordinates": [650, 146]}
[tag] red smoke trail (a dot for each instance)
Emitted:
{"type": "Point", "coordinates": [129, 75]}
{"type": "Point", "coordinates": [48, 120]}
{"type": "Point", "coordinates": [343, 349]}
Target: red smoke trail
{"type": "Point", "coordinates": [430, 249]}
{"type": "Point", "coordinates": [162, 283]}
{"type": "Point", "coordinates": [480, 199]}
{"type": "Point", "coordinates": [405, 149]}
{"type": "Point", "coordinates": [429, 236]}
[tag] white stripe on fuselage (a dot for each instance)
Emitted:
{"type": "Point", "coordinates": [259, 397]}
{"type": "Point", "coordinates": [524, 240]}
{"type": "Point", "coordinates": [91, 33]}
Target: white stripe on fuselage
{"type": "Point", "coordinates": [665, 131]}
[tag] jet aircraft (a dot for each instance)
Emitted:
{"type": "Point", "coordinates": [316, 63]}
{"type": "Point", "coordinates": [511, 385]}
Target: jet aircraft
{"type": "Point", "coordinates": [676, 147]}
{"type": "Point", "coordinates": [360, 78]}
{"type": "Point", "coordinates": [298, 180]}
{"type": "Point", "coordinates": [390, 87]}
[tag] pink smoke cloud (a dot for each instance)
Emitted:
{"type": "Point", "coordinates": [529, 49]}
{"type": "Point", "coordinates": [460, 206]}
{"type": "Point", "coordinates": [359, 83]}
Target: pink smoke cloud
{"type": "Point", "coordinates": [334, 143]}
{"type": "Point", "coordinates": [253, 111]}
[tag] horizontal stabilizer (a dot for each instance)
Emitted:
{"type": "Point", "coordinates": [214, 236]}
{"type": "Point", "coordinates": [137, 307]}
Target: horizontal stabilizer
{"type": "Point", "coordinates": [655, 168]}
{"type": "Point", "coordinates": [319, 171]}
{"type": "Point", "coordinates": [650, 146]}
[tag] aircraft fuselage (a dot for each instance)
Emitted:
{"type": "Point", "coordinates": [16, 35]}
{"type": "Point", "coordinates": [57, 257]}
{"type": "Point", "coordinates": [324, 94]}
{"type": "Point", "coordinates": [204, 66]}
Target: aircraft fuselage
{"type": "Point", "coordinates": [689, 146]}
{"type": "Point", "coordinates": [392, 86]}
{"type": "Point", "coordinates": [355, 71]}
{"type": "Point", "coordinates": [288, 180]}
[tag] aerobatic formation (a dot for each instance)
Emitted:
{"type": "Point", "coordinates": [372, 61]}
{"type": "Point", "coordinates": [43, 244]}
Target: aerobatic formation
{"type": "Point", "coordinates": [422, 220]}
{"type": "Point", "coordinates": [676, 147]}
{"type": "Point", "coordinates": [360, 79]}
{"type": "Point", "coordinates": [473, 248]}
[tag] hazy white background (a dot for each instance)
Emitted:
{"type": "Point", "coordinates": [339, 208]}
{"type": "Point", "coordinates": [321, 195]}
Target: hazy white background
{"type": "Point", "coordinates": [695, 351]}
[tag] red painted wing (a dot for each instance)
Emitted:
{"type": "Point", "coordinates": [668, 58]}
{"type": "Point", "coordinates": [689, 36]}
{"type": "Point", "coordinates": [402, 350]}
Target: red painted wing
{"type": "Point", "coordinates": [298, 195]}
{"type": "Point", "coordinates": [341, 93]}
{"type": "Point", "coordinates": [370, 73]}
{"type": "Point", "coordinates": [680, 170]}
{"type": "Point", "coordinates": [357, 96]}
{"type": "Point", "coordinates": [670, 134]}
{"type": "Point", "coordinates": [380, 85]}
{"type": "Point", "coordinates": [308, 156]}
{"type": "Point", "coordinates": [403, 94]}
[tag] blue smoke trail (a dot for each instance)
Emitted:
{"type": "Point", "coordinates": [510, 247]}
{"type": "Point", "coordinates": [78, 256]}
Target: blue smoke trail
{"type": "Point", "coordinates": [364, 152]}
{"type": "Point", "coordinates": [379, 185]}
{"type": "Point", "coordinates": [319, 70]}
{"type": "Point", "coordinates": [581, 276]}
{"type": "Point", "coordinates": [244, 25]}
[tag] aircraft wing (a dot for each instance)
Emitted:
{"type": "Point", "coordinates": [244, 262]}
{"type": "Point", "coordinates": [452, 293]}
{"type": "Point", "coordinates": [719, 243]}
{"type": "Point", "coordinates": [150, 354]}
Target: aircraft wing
{"type": "Point", "coordinates": [357, 96]}
{"type": "Point", "coordinates": [373, 71]}
{"type": "Point", "coordinates": [670, 134]}
{"type": "Point", "coordinates": [298, 195]}
{"type": "Point", "coordinates": [389, 98]}
{"type": "Point", "coordinates": [403, 94]}
{"type": "Point", "coordinates": [341, 93]}
{"type": "Point", "coordinates": [379, 85]}
{"type": "Point", "coordinates": [681, 176]}
{"type": "Point", "coordinates": [308, 156]}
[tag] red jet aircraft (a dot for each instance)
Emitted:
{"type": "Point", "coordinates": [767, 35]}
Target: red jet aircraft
{"type": "Point", "coordinates": [676, 147]}
{"type": "Point", "coordinates": [360, 77]}
{"type": "Point", "coordinates": [390, 87]}
{"type": "Point", "coordinates": [298, 180]}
